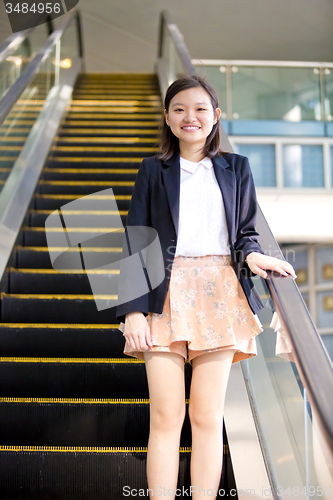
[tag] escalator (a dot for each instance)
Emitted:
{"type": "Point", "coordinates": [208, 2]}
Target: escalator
{"type": "Point", "coordinates": [70, 398]}
{"type": "Point", "coordinates": [74, 410]}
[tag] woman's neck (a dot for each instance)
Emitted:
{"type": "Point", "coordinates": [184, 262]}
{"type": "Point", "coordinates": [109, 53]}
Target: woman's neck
{"type": "Point", "coordinates": [194, 155]}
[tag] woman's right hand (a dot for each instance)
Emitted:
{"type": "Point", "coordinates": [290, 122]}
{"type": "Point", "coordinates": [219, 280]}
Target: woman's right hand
{"type": "Point", "coordinates": [137, 331]}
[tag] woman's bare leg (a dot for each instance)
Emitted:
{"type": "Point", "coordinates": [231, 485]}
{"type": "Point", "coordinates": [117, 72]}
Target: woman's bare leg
{"type": "Point", "coordinates": [165, 374]}
{"type": "Point", "coordinates": [208, 388]}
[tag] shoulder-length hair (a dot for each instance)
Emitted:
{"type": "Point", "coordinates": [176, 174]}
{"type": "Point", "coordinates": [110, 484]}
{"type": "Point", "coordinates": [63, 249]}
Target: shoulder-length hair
{"type": "Point", "coordinates": [169, 143]}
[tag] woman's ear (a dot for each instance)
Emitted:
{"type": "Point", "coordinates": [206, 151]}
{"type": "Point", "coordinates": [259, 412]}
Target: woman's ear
{"type": "Point", "coordinates": [166, 117]}
{"type": "Point", "coordinates": [218, 112]}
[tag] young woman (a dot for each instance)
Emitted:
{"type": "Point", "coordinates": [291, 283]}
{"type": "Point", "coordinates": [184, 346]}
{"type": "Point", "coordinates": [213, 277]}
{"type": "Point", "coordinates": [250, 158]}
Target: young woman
{"type": "Point", "coordinates": [202, 203]}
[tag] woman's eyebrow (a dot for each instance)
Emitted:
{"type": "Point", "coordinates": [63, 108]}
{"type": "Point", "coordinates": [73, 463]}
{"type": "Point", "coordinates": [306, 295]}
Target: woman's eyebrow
{"type": "Point", "coordinates": [180, 104]}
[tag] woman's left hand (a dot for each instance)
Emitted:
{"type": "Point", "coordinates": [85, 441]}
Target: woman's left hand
{"type": "Point", "coordinates": [258, 262]}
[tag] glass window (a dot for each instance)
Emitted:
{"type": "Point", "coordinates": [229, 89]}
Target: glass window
{"type": "Point", "coordinates": [216, 75]}
{"type": "Point", "coordinates": [262, 162]}
{"type": "Point", "coordinates": [324, 264]}
{"type": "Point", "coordinates": [303, 165]}
{"type": "Point", "coordinates": [276, 93]}
{"type": "Point", "coordinates": [299, 260]}
{"type": "Point", "coordinates": [325, 309]}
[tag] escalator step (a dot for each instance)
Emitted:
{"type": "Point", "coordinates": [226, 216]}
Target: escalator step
{"type": "Point", "coordinates": [78, 473]}
{"type": "Point", "coordinates": [94, 218]}
{"type": "Point", "coordinates": [96, 378]}
{"type": "Point", "coordinates": [50, 281]}
{"type": "Point", "coordinates": [55, 201]}
{"type": "Point", "coordinates": [57, 308]}
{"type": "Point", "coordinates": [84, 187]}
{"type": "Point", "coordinates": [77, 422]}
{"type": "Point", "coordinates": [42, 340]}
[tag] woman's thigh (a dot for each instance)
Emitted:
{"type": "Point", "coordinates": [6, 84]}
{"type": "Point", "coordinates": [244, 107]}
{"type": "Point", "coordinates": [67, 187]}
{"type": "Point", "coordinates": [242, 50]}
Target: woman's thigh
{"type": "Point", "coordinates": [166, 383]}
{"type": "Point", "coordinates": [210, 374]}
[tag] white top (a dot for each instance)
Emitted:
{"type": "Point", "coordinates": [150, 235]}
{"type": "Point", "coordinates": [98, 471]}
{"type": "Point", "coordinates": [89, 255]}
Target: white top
{"type": "Point", "coordinates": [202, 223]}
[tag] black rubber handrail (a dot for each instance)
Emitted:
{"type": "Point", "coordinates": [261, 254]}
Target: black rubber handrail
{"type": "Point", "coordinates": [312, 360]}
{"type": "Point", "coordinates": [13, 94]}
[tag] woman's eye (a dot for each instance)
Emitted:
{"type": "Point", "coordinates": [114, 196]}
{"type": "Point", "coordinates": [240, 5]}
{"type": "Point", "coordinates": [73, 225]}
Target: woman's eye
{"type": "Point", "coordinates": [201, 109]}
{"type": "Point", "coordinates": [178, 109]}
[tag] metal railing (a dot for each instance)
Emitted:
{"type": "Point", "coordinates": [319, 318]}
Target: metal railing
{"type": "Point", "coordinates": [310, 356]}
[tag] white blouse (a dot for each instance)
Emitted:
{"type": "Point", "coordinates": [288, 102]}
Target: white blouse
{"type": "Point", "coordinates": [202, 223]}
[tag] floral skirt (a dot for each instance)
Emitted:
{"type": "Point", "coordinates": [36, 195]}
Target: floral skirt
{"type": "Point", "coordinates": [205, 310]}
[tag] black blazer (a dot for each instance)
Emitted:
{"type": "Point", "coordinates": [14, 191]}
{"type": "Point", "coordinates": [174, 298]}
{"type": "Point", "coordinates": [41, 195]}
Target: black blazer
{"type": "Point", "coordinates": [155, 203]}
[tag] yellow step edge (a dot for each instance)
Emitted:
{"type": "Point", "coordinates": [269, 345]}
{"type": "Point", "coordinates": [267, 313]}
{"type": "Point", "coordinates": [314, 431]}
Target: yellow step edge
{"type": "Point", "coordinates": [70, 326]}
{"type": "Point", "coordinates": [78, 449]}
{"type": "Point", "coordinates": [125, 117]}
{"type": "Point", "coordinates": [74, 230]}
{"type": "Point", "coordinates": [86, 401]}
{"type": "Point", "coordinates": [5, 169]}
{"type": "Point", "coordinates": [75, 159]}
{"type": "Point", "coordinates": [13, 148]}
{"type": "Point", "coordinates": [8, 158]}
{"type": "Point", "coordinates": [57, 296]}
{"type": "Point", "coordinates": [91, 196]}
{"type": "Point", "coordinates": [80, 212]}
{"type": "Point", "coordinates": [119, 361]}
{"type": "Point", "coordinates": [16, 131]}
{"type": "Point", "coordinates": [74, 401]}
{"type": "Point", "coordinates": [71, 249]}
{"type": "Point", "coordinates": [100, 102]}
{"type": "Point", "coordinates": [62, 271]}
{"type": "Point", "coordinates": [119, 109]}
{"type": "Point", "coordinates": [116, 140]}
{"type": "Point", "coordinates": [103, 123]}
{"type": "Point", "coordinates": [105, 131]}
{"type": "Point", "coordinates": [90, 170]}
{"type": "Point", "coordinates": [86, 183]}
{"type": "Point", "coordinates": [101, 149]}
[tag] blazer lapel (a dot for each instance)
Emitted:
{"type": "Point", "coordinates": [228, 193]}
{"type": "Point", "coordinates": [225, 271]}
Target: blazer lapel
{"type": "Point", "coordinates": [171, 178]}
{"type": "Point", "coordinates": [226, 181]}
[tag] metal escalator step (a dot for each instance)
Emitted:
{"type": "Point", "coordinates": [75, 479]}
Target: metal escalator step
{"type": "Point", "coordinates": [37, 257]}
{"type": "Point", "coordinates": [137, 142]}
{"type": "Point", "coordinates": [84, 187]}
{"type": "Point", "coordinates": [78, 473]}
{"type": "Point", "coordinates": [55, 201]}
{"type": "Point", "coordinates": [92, 218]}
{"type": "Point", "coordinates": [113, 132]}
{"type": "Point", "coordinates": [42, 340]}
{"type": "Point", "coordinates": [143, 150]}
{"type": "Point", "coordinates": [69, 281]}
{"type": "Point", "coordinates": [57, 308]}
{"type": "Point", "coordinates": [95, 378]}
{"type": "Point", "coordinates": [76, 422]}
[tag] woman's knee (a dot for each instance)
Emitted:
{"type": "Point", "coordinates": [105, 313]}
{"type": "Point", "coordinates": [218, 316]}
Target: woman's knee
{"type": "Point", "coordinates": [205, 417]}
{"type": "Point", "coordinates": [168, 417]}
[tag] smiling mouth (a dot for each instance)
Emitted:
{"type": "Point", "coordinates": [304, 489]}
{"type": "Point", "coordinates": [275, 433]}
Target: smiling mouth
{"type": "Point", "coordinates": [191, 127]}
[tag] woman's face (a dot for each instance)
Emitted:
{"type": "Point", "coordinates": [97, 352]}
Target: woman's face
{"type": "Point", "coordinates": [191, 116]}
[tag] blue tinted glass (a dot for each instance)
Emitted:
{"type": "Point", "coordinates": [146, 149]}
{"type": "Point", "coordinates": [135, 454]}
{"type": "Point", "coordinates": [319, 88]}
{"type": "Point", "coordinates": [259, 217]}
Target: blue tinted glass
{"type": "Point", "coordinates": [324, 263]}
{"type": "Point", "coordinates": [332, 164]}
{"type": "Point", "coordinates": [299, 260]}
{"type": "Point", "coordinates": [325, 309]}
{"type": "Point", "coordinates": [262, 162]}
{"type": "Point", "coordinates": [303, 166]}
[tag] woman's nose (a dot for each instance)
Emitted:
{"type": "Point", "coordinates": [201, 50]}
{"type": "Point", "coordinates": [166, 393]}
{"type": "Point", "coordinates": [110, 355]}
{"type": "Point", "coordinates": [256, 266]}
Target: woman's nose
{"type": "Point", "coordinates": [190, 116]}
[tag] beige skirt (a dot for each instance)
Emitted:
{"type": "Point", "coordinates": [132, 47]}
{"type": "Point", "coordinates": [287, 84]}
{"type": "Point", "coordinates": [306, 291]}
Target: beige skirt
{"type": "Point", "coordinates": [205, 310]}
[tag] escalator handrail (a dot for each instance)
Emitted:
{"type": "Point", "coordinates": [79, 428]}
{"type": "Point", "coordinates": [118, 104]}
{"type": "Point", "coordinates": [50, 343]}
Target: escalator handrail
{"type": "Point", "coordinates": [177, 37]}
{"type": "Point", "coordinates": [13, 94]}
{"type": "Point", "coordinates": [12, 43]}
{"type": "Point", "coordinates": [311, 357]}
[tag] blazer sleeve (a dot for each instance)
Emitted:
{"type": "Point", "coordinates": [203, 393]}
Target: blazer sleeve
{"type": "Point", "coordinates": [138, 215]}
{"type": "Point", "coordinates": [247, 238]}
